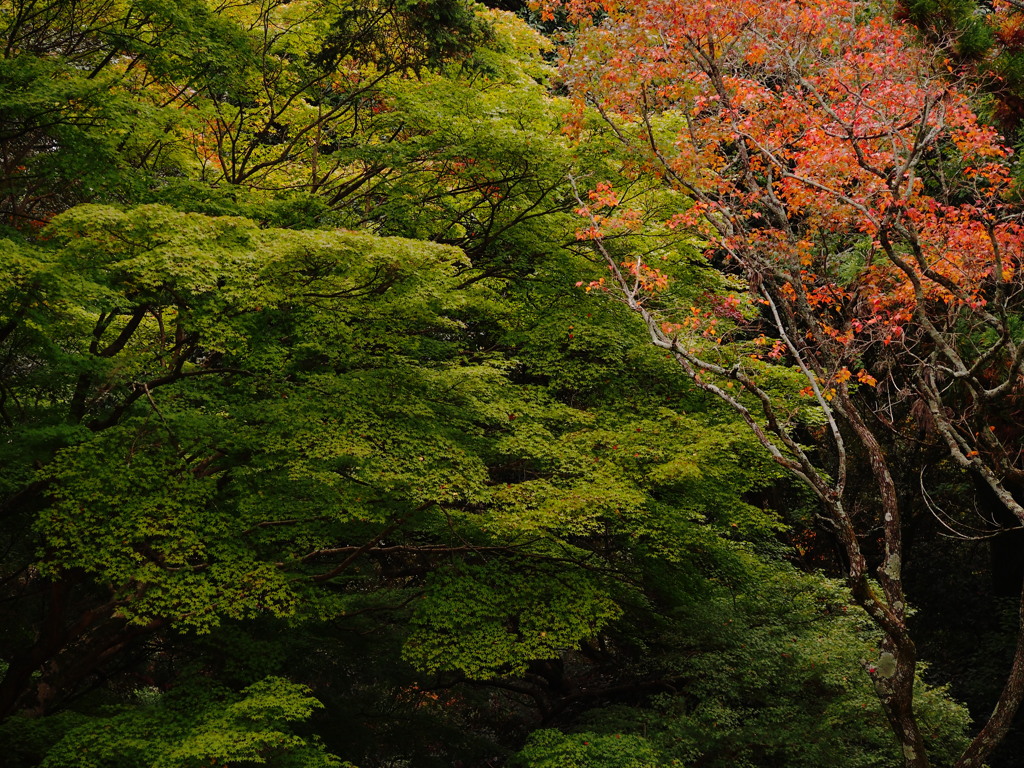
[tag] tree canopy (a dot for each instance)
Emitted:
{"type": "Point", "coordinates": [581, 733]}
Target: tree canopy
{"type": "Point", "coordinates": [429, 384]}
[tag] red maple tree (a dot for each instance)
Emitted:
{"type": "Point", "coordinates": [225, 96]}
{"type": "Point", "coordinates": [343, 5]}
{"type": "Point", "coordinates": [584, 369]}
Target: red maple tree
{"type": "Point", "coordinates": [836, 166]}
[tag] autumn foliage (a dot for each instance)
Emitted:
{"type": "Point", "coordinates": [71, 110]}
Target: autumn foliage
{"type": "Point", "coordinates": [801, 131]}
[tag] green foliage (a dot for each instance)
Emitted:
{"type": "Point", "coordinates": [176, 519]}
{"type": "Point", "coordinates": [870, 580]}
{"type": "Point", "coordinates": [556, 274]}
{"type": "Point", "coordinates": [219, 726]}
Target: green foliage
{"type": "Point", "coordinates": [973, 37]}
{"type": "Point", "coordinates": [139, 504]}
{"type": "Point", "coordinates": [498, 617]}
{"type": "Point", "coordinates": [199, 725]}
{"type": "Point", "coordinates": [768, 670]}
{"type": "Point", "coordinates": [85, 96]}
{"type": "Point", "coordinates": [129, 509]}
{"type": "Point", "coordinates": [552, 749]}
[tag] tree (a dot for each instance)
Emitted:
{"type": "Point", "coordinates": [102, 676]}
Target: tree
{"type": "Point", "coordinates": [983, 42]}
{"type": "Point", "coordinates": [99, 96]}
{"type": "Point", "coordinates": [835, 169]}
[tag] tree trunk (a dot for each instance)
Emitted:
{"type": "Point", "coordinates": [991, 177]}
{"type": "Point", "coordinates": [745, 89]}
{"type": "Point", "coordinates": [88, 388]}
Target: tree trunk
{"type": "Point", "coordinates": [1006, 707]}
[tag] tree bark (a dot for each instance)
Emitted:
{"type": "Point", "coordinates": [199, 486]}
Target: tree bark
{"type": "Point", "coordinates": [1006, 707]}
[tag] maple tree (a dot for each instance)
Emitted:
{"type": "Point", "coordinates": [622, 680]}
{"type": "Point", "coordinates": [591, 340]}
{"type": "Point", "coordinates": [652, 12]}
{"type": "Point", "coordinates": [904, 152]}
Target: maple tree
{"type": "Point", "coordinates": [837, 169]}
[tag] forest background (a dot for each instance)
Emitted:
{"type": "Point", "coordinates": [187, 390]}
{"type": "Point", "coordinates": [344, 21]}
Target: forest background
{"type": "Point", "coordinates": [435, 384]}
